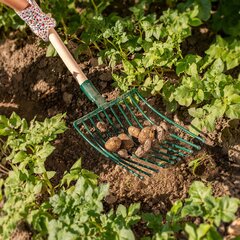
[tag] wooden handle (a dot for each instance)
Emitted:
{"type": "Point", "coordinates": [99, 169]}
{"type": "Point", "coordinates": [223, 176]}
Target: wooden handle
{"type": "Point", "coordinates": [66, 57]}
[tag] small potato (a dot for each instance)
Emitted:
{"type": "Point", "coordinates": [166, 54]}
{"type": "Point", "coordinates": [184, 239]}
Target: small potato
{"type": "Point", "coordinates": [140, 152]}
{"type": "Point", "coordinates": [164, 126]}
{"type": "Point", "coordinates": [134, 131]}
{"type": "Point", "coordinates": [127, 142]}
{"type": "Point", "coordinates": [147, 145]}
{"type": "Point", "coordinates": [146, 133]}
{"type": "Point", "coordinates": [101, 126]}
{"type": "Point", "coordinates": [113, 144]}
{"type": "Point", "coordinates": [161, 132]}
{"type": "Point", "coordinates": [123, 153]}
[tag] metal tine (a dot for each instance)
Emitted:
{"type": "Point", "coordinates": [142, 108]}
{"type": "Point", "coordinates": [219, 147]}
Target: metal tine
{"type": "Point", "coordinates": [141, 111]}
{"type": "Point", "coordinates": [111, 122]}
{"type": "Point", "coordinates": [172, 135]}
{"type": "Point", "coordinates": [101, 120]}
{"type": "Point", "coordinates": [162, 159]}
{"type": "Point", "coordinates": [112, 156]}
{"type": "Point", "coordinates": [165, 154]}
{"type": "Point", "coordinates": [172, 156]}
{"type": "Point", "coordinates": [142, 165]}
{"type": "Point", "coordinates": [168, 120]}
{"type": "Point", "coordinates": [125, 116]}
{"type": "Point", "coordinates": [134, 117]}
{"type": "Point", "coordinates": [185, 141]}
{"type": "Point", "coordinates": [175, 151]}
{"type": "Point", "coordinates": [147, 160]}
{"type": "Point", "coordinates": [116, 116]}
{"type": "Point", "coordinates": [98, 132]}
{"type": "Point", "coordinates": [179, 147]}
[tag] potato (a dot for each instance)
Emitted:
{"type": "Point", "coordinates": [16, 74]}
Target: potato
{"type": "Point", "coordinates": [127, 142]}
{"type": "Point", "coordinates": [140, 151]}
{"type": "Point", "coordinates": [113, 144]}
{"type": "Point", "coordinates": [123, 153]}
{"type": "Point", "coordinates": [101, 126]}
{"type": "Point", "coordinates": [134, 131]}
{"type": "Point", "coordinates": [146, 133]}
{"type": "Point", "coordinates": [162, 131]}
{"type": "Point", "coordinates": [147, 145]}
{"type": "Point", "coordinates": [164, 126]}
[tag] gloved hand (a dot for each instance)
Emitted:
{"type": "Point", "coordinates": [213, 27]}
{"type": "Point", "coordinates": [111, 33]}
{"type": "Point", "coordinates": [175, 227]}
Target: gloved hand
{"type": "Point", "coordinates": [39, 22]}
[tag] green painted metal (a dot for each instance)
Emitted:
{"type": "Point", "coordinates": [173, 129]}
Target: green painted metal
{"type": "Point", "coordinates": [119, 114]}
{"type": "Point", "coordinates": [92, 93]}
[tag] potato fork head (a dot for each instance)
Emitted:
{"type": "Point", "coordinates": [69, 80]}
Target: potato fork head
{"type": "Point", "coordinates": [130, 109]}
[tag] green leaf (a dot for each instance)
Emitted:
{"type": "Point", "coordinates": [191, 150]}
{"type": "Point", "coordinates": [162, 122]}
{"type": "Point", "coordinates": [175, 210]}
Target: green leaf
{"type": "Point", "coordinates": [195, 22]}
{"type": "Point", "coordinates": [199, 96]}
{"type": "Point", "coordinates": [218, 66]}
{"type": "Point", "coordinates": [193, 210]}
{"type": "Point", "coordinates": [73, 174]}
{"type": "Point", "coordinates": [233, 111]}
{"type": "Point", "coordinates": [202, 230]}
{"type": "Point", "coordinates": [45, 151]}
{"type": "Point", "coordinates": [154, 222]}
{"type": "Point", "coordinates": [196, 112]}
{"type": "Point", "coordinates": [228, 208]}
{"type": "Point", "coordinates": [204, 7]}
{"type": "Point", "coordinates": [121, 210]}
{"type": "Point", "coordinates": [183, 96]}
{"type": "Point", "coordinates": [198, 192]}
{"type": "Point", "coordinates": [19, 157]}
{"type": "Point", "coordinates": [133, 209]}
{"type": "Point", "coordinates": [50, 174]}
{"type": "Point", "coordinates": [14, 120]}
{"type": "Point", "coordinates": [191, 231]}
{"type": "Point", "coordinates": [213, 234]}
{"type": "Point", "coordinates": [181, 67]}
{"type": "Point", "coordinates": [126, 234]}
{"type": "Point", "coordinates": [51, 52]}
{"type": "Point", "coordinates": [38, 188]}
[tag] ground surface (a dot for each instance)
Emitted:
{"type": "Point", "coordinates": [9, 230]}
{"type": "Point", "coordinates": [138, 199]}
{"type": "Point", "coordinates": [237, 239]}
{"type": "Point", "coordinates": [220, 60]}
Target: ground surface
{"type": "Point", "coordinates": [33, 85]}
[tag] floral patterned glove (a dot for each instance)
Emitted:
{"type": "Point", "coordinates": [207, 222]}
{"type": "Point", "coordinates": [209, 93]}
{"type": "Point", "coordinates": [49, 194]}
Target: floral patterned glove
{"type": "Point", "coordinates": [39, 22]}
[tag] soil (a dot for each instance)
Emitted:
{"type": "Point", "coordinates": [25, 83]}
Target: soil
{"type": "Point", "coordinates": [33, 85]}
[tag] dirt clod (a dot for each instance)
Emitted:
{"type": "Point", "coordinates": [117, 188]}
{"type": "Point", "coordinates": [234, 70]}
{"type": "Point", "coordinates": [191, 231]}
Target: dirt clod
{"type": "Point", "coordinates": [234, 228]}
{"type": "Point", "coordinates": [101, 126]}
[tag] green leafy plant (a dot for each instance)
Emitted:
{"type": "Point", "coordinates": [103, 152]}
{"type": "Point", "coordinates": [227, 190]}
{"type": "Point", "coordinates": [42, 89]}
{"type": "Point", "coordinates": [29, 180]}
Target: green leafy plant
{"type": "Point", "coordinates": [9, 19]}
{"type": "Point", "coordinates": [71, 209]}
{"type": "Point", "coordinates": [201, 204]}
{"type": "Point", "coordinates": [205, 82]}
{"type": "Point", "coordinates": [26, 148]}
